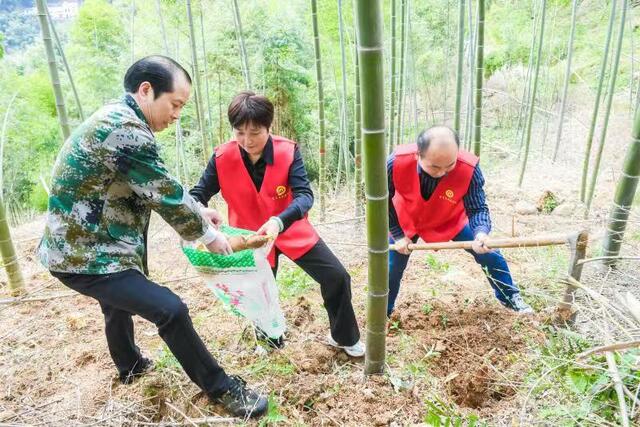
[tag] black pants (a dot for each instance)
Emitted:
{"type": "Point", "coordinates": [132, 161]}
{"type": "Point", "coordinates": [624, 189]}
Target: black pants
{"type": "Point", "coordinates": [335, 286]}
{"type": "Point", "coordinates": [129, 292]}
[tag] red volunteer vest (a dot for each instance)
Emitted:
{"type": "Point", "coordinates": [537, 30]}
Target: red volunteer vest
{"type": "Point", "coordinates": [249, 208]}
{"type": "Point", "coordinates": [442, 217]}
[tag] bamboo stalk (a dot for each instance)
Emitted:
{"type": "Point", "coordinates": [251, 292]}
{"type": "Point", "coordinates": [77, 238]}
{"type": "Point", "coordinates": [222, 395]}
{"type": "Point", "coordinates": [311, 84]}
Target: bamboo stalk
{"type": "Point", "coordinates": [402, 109]}
{"type": "Point", "coordinates": [206, 147]}
{"type": "Point", "coordinates": [567, 77]}
{"type": "Point", "coordinates": [479, 80]}
{"type": "Point", "coordinates": [533, 94]}
{"type": "Point", "coordinates": [206, 75]}
{"type": "Point", "coordinates": [162, 28]}
{"type": "Point", "coordinates": [61, 108]}
{"type": "Point", "coordinates": [7, 249]}
{"type": "Point", "coordinates": [63, 57]}
{"type": "Point", "coordinates": [133, 26]}
{"type": "Point", "coordinates": [322, 146]}
{"type": "Point", "coordinates": [473, 31]}
{"type": "Point", "coordinates": [357, 127]}
{"type": "Point", "coordinates": [393, 78]}
{"type": "Point", "coordinates": [526, 94]}
{"type": "Point", "coordinates": [3, 140]}
{"type": "Point", "coordinates": [370, 51]}
{"type": "Point", "coordinates": [578, 245]}
{"type": "Point", "coordinates": [447, 61]}
{"type": "Point", "coordinates": [243, 50]}
{"type": "Point", "coordinates": [625, 192]}
{"type": "Point", "coordinates": [596, 106]}
{"type": "Point", "coordinates": [612, 88]}
{"type": "Point", "coordinates": [344, 146]}
{"type": "Point", "coordinates": [456, 114]}
{"type": "Point", "coordinates": [399, 129]}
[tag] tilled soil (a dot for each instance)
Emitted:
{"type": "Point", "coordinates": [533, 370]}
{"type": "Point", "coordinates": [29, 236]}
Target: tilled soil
{"type": "Point", "coordinates": [477, 347]}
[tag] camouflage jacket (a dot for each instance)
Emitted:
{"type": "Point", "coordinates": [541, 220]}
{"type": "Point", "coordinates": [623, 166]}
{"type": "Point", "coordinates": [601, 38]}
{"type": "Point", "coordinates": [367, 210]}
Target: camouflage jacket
{"type": "Point", "coordinates": [106, 180]}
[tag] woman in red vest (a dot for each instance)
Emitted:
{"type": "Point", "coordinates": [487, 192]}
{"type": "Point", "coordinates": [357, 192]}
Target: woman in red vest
{"type": "Point", "coordinates": [436, 193]}
{"type": "Point", "coordinates": [263, 180]}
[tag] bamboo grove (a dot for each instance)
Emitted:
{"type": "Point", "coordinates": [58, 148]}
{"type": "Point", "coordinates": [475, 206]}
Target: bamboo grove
{"type": "Point", "coordinates": [364, 69]}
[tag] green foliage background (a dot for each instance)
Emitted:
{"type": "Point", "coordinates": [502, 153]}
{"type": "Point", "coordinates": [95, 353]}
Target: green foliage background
{"type": "Point", "coordinates": [97, 43]}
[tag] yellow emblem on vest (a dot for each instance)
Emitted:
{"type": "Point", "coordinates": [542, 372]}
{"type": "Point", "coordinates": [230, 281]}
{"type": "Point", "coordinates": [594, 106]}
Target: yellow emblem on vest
{"type": "Point", "coordinates": [449, 194]}
{"type": "Point", "coordinates": [281, 192]}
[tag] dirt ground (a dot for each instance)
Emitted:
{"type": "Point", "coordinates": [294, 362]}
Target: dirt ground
{"type": "Point", "coordinates": [448, 339]}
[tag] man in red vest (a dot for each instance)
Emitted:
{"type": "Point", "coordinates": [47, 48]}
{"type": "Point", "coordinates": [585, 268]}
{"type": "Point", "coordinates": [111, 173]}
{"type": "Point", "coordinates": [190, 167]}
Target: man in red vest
{"type": "Point", "coordinates": [436, 193]}
{"type": "Point", "coordinates": [263, 180]}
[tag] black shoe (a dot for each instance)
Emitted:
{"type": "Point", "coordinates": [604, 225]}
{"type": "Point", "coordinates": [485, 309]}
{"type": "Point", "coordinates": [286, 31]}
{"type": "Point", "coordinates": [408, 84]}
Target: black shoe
{"type": "Point", "coordinates": [241, 401]}
{"type": "Point", "coordinates": [262, 336]}
{"type": "Point", "coordinates": [143, 366]}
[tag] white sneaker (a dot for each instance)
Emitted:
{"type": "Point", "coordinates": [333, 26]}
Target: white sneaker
{"type": "Point", "coordinates": [356, 350]}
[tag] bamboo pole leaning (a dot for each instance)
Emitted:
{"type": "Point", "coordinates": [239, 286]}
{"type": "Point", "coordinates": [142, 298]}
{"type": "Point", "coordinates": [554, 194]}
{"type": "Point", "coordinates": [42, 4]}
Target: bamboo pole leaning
{"type": "Point", "coordinates": [534, 89]}
{"type": "Point", "coordinates": [61, 108]}
{"type": "Point", "coordinates": [607, 112]}
{"type": "Point", "coordinates": [596, 106]}
{"type": "Point", "coordinates": [370, 52]}
{"type": "Point", "coordinates": [322, 184]}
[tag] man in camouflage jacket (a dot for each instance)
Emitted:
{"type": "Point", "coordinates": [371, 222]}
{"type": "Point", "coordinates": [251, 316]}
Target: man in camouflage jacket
{"type": "Point", "coordinates": [107, 178]}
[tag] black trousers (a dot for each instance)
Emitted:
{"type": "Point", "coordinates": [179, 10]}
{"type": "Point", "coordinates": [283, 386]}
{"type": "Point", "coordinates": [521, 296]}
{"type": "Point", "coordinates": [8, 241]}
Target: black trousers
{"type": "Point", "coordinates": [129, 292]}
{"type": "Point", "coordinates": [335, 286]}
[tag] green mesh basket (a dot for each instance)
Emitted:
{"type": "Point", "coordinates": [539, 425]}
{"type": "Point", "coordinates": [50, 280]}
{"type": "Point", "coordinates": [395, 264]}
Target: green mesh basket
{"type": "Point", "coordinates": [207, 262]}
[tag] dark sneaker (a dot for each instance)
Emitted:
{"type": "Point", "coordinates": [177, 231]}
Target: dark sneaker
{"type": "Point", "coordinates": [517, 304]}
{"type": "Point", "coordinates": [241, 401]}
{"type": "Point", "coordinates": [143, 366]}
{"type": "Point", "coordinates": [262, 336]}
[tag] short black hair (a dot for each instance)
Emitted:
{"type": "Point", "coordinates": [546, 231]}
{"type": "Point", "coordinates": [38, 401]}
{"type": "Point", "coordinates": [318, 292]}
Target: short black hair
{"type": "Point", "coordinates": [247, 107]}
{"type": "Point", "coordinates": [424, 138]}
{"type": "Point", "coordinates": [158, 70]}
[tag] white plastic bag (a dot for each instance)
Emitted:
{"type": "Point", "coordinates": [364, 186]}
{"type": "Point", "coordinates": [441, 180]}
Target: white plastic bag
{"type": "Point", "coordinates": [244, 282]}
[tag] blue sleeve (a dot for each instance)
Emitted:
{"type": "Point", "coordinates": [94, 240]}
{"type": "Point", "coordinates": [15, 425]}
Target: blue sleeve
{"type": "Point", "coordinates": [394, 225]}
{"type": "Point", "coordinates": [475, 204]}
{"type": "Point", "coordinates": [208, 185]}
{"type": "Point", "coordinates": [301, 189]}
